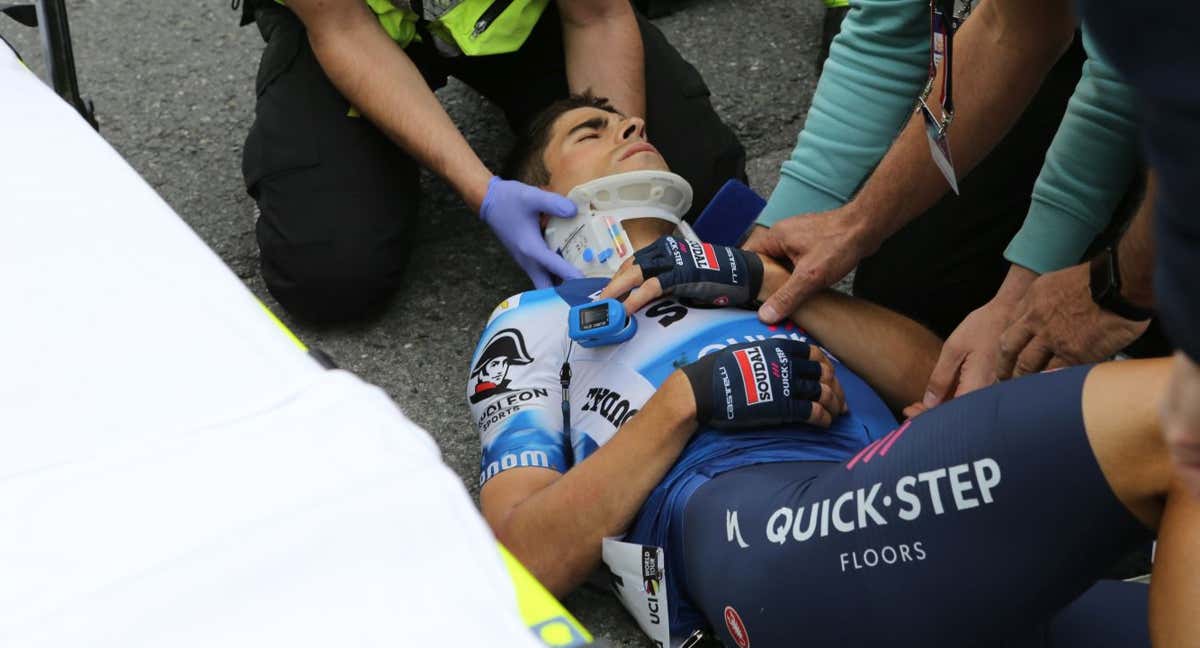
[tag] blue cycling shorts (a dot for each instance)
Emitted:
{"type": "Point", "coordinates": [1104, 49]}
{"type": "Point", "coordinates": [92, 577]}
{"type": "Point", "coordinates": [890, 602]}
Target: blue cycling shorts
{"type": "Point", "coordinates": [973, 524]}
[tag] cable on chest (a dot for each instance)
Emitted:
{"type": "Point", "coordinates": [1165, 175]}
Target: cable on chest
{"type": "Point", "coordinates": [564, 379]}
{"type": "Point", "coordinates": [591, 325]}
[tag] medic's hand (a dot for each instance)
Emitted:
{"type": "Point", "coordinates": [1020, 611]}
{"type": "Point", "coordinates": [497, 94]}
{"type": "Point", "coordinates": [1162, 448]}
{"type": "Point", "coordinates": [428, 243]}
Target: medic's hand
{"type": "Point", "coordinates": [822, 247]}
{"type": "Point", "coordinates": [969, 356]}
{"type": "Point", "coordinates": [709, 274]}
{"type": "Point", "coordinates": [1058, 325]}
{"type": "Point", "coordinates": [513, 209]}
{"type": "Point", "coordinates": [1181, 420]}
{"type": "Point", "coordinates": [767, 383]}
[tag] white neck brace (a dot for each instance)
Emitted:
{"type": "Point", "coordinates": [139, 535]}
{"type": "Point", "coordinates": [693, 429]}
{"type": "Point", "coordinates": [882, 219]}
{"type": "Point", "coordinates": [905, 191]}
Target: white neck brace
{"type": "Point", "coordinates": [594, 240]}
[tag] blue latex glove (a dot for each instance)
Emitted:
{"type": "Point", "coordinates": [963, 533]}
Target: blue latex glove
{"type": "Point", "coordinates": [513, 210]}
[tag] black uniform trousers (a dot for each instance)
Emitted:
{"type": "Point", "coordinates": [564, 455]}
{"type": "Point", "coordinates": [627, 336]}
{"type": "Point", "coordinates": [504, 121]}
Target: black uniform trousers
{"type": "Point", "coordinates": [338, 199]}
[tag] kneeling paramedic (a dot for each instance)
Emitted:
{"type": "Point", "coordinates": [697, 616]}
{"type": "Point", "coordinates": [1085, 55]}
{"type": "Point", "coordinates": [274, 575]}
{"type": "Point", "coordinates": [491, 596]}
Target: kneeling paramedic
{"type": "Point", "coordinates": [346, 115]}
{"type": "Point", "coordinates": [766, 493]}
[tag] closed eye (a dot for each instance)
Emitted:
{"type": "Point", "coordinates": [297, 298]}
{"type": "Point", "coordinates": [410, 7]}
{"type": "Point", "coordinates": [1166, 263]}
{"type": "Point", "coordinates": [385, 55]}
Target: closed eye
{"type": "Point", "coordinates": [590, 127]}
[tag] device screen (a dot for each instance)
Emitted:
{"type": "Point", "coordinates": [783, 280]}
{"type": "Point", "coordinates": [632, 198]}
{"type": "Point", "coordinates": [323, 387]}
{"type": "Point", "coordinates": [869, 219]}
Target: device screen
{"type": "Point", "coordinates": [594, 317]}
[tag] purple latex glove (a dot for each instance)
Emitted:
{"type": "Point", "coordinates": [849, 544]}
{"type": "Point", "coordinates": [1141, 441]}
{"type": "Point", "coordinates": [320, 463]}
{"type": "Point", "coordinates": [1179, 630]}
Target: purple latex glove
{"type": "Point", "coordinates": [513, 210]}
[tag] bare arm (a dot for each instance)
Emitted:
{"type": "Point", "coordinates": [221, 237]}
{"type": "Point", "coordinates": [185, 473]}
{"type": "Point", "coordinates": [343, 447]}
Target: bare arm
{"type": "Point", "coordinates": [554, 523]}
{"type": "Point", "coordinates": [1002, 54]}
{"type": "Point", "coordinates": [894, 354]}
{"type": "Point", "coordinates": [381, 82]}
{"type": "Point", "coordinates": [604, 52]}
{"type": "Point", "coordinates": [891, 352]}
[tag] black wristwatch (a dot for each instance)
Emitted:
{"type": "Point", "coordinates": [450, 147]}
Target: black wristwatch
{"type": "Point", "coordinates": [1106, 288]}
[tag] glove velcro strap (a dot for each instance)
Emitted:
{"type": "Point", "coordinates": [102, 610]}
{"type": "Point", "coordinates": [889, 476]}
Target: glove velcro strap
{"type": "Point", "coordinates": [754, 267]}
{"type": "Point", "coordinates": [700, 376]}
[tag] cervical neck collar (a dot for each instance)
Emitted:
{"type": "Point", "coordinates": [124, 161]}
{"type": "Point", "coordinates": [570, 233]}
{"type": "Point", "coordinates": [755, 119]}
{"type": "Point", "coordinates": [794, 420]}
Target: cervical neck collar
{"type": "Point", "coordinates": [594, 240]}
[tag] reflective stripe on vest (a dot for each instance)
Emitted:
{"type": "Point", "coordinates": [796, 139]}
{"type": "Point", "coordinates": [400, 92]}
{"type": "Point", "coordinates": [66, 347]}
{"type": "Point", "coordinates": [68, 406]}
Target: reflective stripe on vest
{"type": "Point", "coordinates": [541, 612]}
{"type": "Point", "coordinates": [471, 27]}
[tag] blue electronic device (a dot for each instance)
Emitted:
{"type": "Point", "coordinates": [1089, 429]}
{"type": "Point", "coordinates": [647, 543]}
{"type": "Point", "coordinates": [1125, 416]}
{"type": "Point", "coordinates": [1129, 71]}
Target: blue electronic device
{"type": "Point", "coordinates": [601, 323]}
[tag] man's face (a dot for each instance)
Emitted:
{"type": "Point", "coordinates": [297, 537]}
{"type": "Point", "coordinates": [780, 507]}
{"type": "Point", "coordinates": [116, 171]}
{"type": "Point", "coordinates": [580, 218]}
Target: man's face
{"type": "Point", "coordinates": [494, 371]}
{"type": "Point", "coordinates": [589, 143]}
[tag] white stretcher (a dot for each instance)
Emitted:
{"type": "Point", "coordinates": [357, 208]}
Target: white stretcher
{"type": "Point", "coordinates": [175, 470]}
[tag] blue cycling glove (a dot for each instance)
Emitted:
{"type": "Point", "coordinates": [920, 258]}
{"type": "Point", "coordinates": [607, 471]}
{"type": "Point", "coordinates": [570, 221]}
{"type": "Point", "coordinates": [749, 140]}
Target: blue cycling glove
{"type": "Point", "coordinates": [709, 274]}
{"type": "Point", "coordinates": [757, 384]}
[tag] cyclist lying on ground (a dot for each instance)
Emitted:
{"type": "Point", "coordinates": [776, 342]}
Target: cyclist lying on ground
{"type": "Point", "coordinates": [789, 504]}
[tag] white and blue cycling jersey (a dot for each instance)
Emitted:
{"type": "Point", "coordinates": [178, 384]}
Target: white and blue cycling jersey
{"type": "Point", "coordinates": [516, 399]}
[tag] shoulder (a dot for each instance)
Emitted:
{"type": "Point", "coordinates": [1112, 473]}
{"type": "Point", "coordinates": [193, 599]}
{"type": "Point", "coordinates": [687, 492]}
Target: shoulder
{"type": "Point", "coordinates": [513, 384]}
{"type": "Point", "coordinates": [522, 306]}
{"type": "Point", "coordinates": [519, 351]}
{"type": "Point", "coordinates": [539, 313]}
{"type": "Point", "coordinates": [521, 326]}
{"type": "Point", "coordinates": [534, 303]}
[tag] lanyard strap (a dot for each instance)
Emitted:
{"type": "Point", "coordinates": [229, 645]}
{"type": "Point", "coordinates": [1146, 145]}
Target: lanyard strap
{"type": "Point", "coordinates": [942, 25]}
{"type": "Point", "coordinates": [949, 26]}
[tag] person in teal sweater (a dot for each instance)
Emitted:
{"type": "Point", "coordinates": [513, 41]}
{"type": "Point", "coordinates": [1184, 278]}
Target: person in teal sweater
{"type": "Point", "coordinates": [1090, 164]}
{"type": "Point", "coordinates": [852, 197]}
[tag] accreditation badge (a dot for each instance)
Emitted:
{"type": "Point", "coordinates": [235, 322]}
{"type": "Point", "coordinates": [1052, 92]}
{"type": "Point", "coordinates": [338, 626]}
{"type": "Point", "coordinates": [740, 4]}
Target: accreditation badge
{"type": "Point", "coordinates": [945, 16]}
{"type": "Point", "coordinates": [939, 149]}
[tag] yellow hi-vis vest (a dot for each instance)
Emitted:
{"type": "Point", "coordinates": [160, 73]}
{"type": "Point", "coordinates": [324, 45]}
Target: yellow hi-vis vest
{"type": "Point", "coordinates": [470, 27]}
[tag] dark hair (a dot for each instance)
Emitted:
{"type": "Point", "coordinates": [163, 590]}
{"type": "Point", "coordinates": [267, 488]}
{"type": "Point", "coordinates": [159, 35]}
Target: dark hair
{"type": "Point", "coordinates": [525, 162]}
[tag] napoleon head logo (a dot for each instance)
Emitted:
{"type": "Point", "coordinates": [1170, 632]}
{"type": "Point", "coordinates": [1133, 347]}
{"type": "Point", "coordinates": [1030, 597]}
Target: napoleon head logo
{"type": "Point", "coordinates": [490, 374]}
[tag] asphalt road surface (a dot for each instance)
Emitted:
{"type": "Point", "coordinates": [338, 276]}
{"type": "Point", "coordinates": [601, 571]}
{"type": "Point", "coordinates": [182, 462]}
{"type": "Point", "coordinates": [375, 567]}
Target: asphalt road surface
{"type": "Point", "coordinates": [173, 84]}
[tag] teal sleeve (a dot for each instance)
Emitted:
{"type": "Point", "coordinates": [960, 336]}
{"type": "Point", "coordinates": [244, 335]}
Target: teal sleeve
{"type": "Point", "coordinates": [877, 66]}
{"type": "Point", "coordinates": [1088, 168]}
